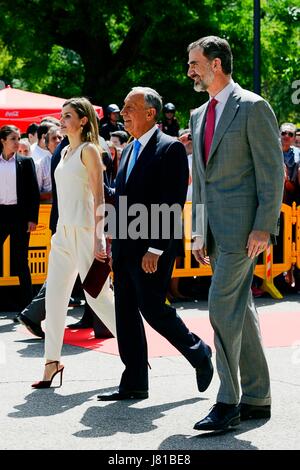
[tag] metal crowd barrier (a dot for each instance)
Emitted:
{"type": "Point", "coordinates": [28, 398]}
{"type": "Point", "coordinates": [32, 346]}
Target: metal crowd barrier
{"type": "Point", "coordinates": [297, 243]}
{"type": "Point", "coordinates": [268, 269]}
{"type": "Point", "coordinates": [39, 247]}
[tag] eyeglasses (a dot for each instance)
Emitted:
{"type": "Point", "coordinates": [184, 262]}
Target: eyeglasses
{"type": "Point", "coordinates": [290, 134]}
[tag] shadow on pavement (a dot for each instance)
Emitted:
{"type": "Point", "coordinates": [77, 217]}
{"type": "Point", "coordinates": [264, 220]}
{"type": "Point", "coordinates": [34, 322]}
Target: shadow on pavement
{"type": "Point", "coordinates": [124, 417]}
{"type": "Point", "coordinates": [225, 440]}
{"type": "Point", "coordinates": [102, 420]}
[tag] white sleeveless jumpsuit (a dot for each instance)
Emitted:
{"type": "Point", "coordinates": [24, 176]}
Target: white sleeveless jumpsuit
{"type": "Point", "coordinates": [72, 252]}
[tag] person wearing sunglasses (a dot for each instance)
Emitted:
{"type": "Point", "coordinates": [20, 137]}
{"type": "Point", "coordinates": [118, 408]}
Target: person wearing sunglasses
{"type": "Point", "coordinates": [291, 162]}
{"type": "Point", "coordinates": [291, 156]}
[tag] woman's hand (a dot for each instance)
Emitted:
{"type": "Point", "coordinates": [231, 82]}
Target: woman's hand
{"type": "Point", "coordinates": [100, 249]}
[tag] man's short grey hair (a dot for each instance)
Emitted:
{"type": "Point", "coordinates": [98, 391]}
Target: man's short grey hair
{"type": "Point", "coordinates": [152, 98]}
{"type": "Point", "coordinates": [288, 126]}
{"type": "Point", "coordinates": [51, 131]}
{"type": "Point", "coordinates": [25, 141]}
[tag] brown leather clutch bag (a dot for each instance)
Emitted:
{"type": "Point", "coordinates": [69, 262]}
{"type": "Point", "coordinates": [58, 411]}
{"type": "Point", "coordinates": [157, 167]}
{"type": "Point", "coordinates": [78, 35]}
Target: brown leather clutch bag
{"type": "Point", "coordinates": [96, 277]}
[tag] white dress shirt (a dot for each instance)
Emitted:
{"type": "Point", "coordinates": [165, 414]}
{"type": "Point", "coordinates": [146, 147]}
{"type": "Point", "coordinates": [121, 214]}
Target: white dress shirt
{"type": "Point", "coordinates": [38, 153]}
{"type": "Point", "coordinates": [43, 173]}
{"type": "Point", "coordinates": [144, 139]}
{"type": "Point", "coordinates": [222, 98]}
{"type": "Point", "coordinates": [8, 181]}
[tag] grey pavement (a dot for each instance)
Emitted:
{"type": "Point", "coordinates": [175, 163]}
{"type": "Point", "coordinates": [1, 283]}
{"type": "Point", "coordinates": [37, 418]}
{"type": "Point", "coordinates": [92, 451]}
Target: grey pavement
{"type": "Point", "coordinates": [70, 417]}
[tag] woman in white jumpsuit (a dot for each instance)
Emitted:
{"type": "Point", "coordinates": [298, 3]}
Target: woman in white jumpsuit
{"type": "Point", "coordinates": [79, 237]}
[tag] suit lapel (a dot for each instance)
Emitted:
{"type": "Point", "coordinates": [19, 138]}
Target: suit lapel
{"type": "Point", "coordinates": [121, 178]}
{"type": "Point", "coordinates": [226, 118]}
{"type": "Point", "coordinates": [146, 155]}
{"type": "Point", "coordinates": [18, 175]}
{"type": "Point", "coordinates": [198, 140]}
{"type": "Point", "coordinates": [144, 158]}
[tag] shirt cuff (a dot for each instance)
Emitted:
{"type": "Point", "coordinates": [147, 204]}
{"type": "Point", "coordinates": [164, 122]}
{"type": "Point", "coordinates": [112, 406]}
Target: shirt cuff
{"type": "Point", "coordinates": [198, 242]}
{"type": "Point", "coordinates": [155, 251]}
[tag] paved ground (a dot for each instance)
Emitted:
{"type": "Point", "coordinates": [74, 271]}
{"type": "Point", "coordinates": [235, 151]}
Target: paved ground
{"type": "Point", "coordinates": [71, 418]}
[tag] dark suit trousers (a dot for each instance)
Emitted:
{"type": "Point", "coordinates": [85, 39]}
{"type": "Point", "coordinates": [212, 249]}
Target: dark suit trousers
{"type": "Point", "coordinates": [137, 292]}
{"type": "Point", "coordinates": [12, 224]}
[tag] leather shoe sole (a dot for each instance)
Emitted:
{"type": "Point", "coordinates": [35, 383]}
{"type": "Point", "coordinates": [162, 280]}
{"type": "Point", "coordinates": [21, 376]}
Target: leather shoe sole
{"type": "Point", "coordinates": [104, 335]}
{"type": "Point", "coordinates": [34, 329]}
{"type": "Point", "coordinates": [254, 411]}
{"type": "Point", "coordinates": [134, 395]}
{"type": "Point", "coordinates": [80, 325]}
{"type": "Point", "coordinates": [205, 372]}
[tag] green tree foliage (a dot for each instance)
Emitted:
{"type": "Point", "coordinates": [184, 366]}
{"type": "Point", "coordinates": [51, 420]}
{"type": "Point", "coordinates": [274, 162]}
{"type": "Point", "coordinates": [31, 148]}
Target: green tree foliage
{"type": "Point", "coordinates": [102, 48]}
{"type": "Point", "coordinates": [120, 44]}
{"type": "Point", "coordinates": [280, 48]}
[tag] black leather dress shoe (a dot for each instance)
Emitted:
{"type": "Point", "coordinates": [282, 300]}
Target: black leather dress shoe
{"type": "Point", "coordinates": [34, 328]}
{"type": "Point", "coordinates": [103, 334]}
{"type": "Point", "coordinates": [133, 395]}
{"type": "Point", "coordinates": [204, 372]}
{"type": "Point", "coordinates": [254, 411]}
{"type": "Point", "coordinates": [75, 302]}
{"type": "Point", "coordinates": [80, 325]}
{"type": "Point", "coordinates": [221, 417]}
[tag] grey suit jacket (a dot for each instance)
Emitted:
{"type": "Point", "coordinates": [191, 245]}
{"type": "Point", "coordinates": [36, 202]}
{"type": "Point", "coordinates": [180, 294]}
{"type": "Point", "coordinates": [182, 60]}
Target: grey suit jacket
{"type": "Point", "coordinates": [241, 187]}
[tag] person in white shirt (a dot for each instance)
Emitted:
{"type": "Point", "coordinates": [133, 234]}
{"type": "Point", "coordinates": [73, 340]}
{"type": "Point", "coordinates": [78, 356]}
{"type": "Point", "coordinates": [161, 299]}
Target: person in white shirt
{"type": "Point", "coordinates": [43, 167]}
{"type": "Point", "coordinates": [40, 150]}
{"type": "Point", "coordinates": [31, 133]}
{"type": "Point", "coordinates": [153, 172]}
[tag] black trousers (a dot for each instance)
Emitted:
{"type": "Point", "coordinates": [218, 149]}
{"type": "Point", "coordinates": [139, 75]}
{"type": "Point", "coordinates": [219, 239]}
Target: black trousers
{"type": "Point", "coordinates": [139, 293]}
{"type": "Point", "coordinates": [11, 223]}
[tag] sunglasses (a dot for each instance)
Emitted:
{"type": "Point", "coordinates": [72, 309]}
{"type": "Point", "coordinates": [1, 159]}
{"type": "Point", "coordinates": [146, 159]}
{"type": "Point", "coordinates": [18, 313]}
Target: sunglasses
{"type": "Point", "coordinates": [290, 134]}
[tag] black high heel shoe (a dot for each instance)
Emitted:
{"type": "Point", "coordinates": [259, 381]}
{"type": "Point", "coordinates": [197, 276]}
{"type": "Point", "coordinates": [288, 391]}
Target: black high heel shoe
{"type": "Point", "coordinates": [47, 383]}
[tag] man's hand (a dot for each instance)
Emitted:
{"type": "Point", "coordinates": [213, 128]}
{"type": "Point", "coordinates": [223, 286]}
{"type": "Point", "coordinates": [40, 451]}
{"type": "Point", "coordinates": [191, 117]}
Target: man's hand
{"type": "Point", "coordinates": [199, 251]}
{"type": "Point", "coordinates": [257, 243]}
{"type": "Point", "coordinates": [149, 262]}
{"type": "Point", "coordinates": [31, 227]}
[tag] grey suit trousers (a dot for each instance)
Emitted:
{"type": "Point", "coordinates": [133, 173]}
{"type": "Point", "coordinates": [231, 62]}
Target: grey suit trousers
{"type": "Point", "coordinates": [236, 330]}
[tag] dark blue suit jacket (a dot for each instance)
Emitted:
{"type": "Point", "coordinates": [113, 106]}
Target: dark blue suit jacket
{"type": "Point", "coordinates": [160, 176]}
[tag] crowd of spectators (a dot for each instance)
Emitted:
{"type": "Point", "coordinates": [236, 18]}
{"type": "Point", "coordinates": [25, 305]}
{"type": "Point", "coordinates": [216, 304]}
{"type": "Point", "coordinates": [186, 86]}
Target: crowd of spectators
{"type": "Point", "coordinates": [41, 140]}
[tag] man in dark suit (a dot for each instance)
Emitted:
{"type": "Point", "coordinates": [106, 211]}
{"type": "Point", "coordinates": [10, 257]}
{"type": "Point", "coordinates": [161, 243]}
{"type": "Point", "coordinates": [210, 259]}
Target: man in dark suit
{"type": "Point", "coordinates": [153, 171]}
{"type": "Point", "coordinates": [19, 204]}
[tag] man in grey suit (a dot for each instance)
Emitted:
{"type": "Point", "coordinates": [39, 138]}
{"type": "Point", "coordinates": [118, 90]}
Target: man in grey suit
{"type": "Point", "coordinates": [237, 194]}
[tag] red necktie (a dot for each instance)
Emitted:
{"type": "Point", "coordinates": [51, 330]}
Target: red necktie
{"type": "Point", "coordinates": [210, 127]}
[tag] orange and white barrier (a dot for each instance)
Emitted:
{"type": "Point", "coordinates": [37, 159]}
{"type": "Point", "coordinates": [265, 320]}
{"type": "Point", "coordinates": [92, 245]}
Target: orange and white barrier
{"type": "Point", "coordinates": [39, 247]}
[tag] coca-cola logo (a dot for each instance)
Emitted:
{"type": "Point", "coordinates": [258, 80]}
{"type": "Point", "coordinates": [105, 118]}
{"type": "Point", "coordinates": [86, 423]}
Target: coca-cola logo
{"type": "Point", "coordinates": [12, 114]}
{"type": "Point", "coordinates": [39, 228]}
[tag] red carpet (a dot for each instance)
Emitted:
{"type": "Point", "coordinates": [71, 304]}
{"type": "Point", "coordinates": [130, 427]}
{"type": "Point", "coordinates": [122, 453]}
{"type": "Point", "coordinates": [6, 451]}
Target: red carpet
{"type": "Point", "coordinates": [278, 330]}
